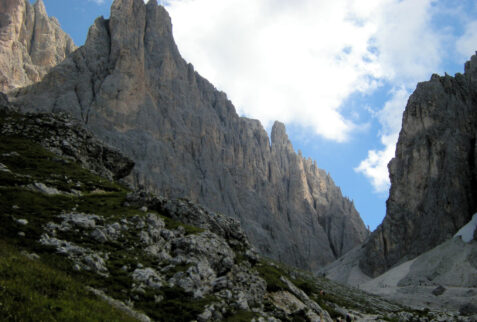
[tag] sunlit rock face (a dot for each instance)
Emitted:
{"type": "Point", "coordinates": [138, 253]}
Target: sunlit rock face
{"type": "Point", "coordinates": [434, 173]}
{"type": "Point", "coordinates": [31, 43]}
{"type": "Point", "coordinates": [131, 87]}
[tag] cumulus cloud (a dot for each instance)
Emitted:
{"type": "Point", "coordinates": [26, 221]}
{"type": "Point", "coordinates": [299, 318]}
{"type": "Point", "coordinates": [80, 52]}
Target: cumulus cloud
{"type": "Point", "coordinates": [467, 43]}
{"type": "Point", "coordinates": [390, 117]}
{"type": "Point", "coordinates": [299, 61]}
{"type": "Point", "coordinates": [293, 61]}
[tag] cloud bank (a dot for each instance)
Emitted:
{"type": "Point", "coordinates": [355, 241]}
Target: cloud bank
{"type": "Point", "coordinates": [299, 61]}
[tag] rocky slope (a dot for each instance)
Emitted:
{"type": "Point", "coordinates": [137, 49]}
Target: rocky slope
{"type": "Point", "coordinates": [129, 85]}
{"type": "Point", "coordinates": [434, 173]}
{"type": "Point", "coordinates": [66, 230]}
{"type": "Point", "coordinates": [443, 278]}
{"type": "Point", "coordinates": [31, 43]}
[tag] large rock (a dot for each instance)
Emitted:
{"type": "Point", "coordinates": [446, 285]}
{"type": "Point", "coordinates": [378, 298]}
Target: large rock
{"type": "Point", "coordinates": [31, 43]}
{"type": "Point", "coordinates": [434, 173]}
{"type": "Point", "coordinates": [131, 87]}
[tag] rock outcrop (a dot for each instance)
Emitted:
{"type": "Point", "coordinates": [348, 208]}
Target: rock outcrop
{"type": "Point", "coordinates": [65, 137]}
{"type": "Point", "coordinates": [31, 43]}
{"type": "Point", "coordinates": [434, 173]}
{"type": "Point", "coordinates": [130, 86]}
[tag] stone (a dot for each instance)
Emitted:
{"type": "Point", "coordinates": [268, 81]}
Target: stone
{"type": "Point", "coordinates": [287, 302]}
{"type": "Point", "coordinates": [31, 43]}
{"type": "Point", "coordinates": [43, 188]}
{"type": "Point", "coordinates": [81, 220]}
{"type": "Point", "coordinates": [433, 174]}
{"type": "Point", "coordinates": [129, 86]}
{"type": "Point", "coordinates": [99, 235]}
{"type": "Point", "coordinates": [4, 168]}
{"type": "Point", "coordinates": [95, 263]}
{"type": "Point", "coordinates": [22, 222]}
{"type": "Point", "coordinates": [148, 277]}
{"type": "Point", "coordinates": [439, 290]}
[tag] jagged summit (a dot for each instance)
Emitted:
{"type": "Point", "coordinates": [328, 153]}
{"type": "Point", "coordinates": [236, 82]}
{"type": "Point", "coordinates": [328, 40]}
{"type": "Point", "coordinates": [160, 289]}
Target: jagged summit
{"type": "Point", "coordinates": [131, 87]}
{"type": "Point", "coordinates": [279, 136]}
{"type": "Point", "coordinates": [31, 43]}
{"type": "Point", "coordinates": [434, 173]}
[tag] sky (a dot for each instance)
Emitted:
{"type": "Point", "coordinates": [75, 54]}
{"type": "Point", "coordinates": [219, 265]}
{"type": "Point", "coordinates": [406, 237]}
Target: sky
{"type": "Point", "coordinates": [337, 73]}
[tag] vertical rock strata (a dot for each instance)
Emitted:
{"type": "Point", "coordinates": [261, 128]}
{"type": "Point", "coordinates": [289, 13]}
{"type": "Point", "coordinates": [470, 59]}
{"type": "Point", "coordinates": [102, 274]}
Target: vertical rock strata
{"type": "Point", "coordinates": [434, 173]}
{"type": "Point", "coordinates": [31, 43]}
{"type": "Point", "coordinates": [131, 87]}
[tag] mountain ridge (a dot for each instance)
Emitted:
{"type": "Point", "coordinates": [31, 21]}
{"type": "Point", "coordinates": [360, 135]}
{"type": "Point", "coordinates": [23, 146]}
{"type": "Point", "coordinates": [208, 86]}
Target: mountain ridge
{"type": "Point", "coordinates": [130, 86]}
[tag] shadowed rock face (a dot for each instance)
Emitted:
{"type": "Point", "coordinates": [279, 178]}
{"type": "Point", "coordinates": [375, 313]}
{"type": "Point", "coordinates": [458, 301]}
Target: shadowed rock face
{"type": "Point", "coordinates": [30, 43]}
{"type": "Point", "coordinates": [131, 87]}
{"type": "Point", "coordinates": [434, 174]}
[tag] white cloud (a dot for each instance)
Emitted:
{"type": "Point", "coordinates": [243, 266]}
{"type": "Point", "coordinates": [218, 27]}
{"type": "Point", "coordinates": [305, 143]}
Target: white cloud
{"type": "Point", "coordinates": [97, 1]}
{"type": "Point", "coordinates": [390, 117]}
{"type": "Point", "coordinates": [298, 61]}
{"type": "Point", "coordinates": [467, 43]}
{"type": "Point", "coordinates": [295, 62]}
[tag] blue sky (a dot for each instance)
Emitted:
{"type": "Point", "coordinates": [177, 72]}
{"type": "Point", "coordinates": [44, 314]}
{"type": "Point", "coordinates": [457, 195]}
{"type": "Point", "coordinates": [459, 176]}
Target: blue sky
{"type": "Point", "coordinates": [337, 73]}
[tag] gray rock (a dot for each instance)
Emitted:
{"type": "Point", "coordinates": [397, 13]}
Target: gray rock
{"type": "Point", "coordinates": [4, 168]}
{"type": "Point", "coordinates": [81, 220]}
{"type": "Point", "coordinates": [147, 276]}
{"type": "Point", "coordinates": [439, 290]}
{"type": "Point", "coordinates": [43, 188]}
{"type": "Point", "coordinates": [22, 222]}
{"type": "Point", "coordinates": [99, 235]}
{"type": "Point", "coordinates": [95, 263]}
{"type": "Point", "coordinates": [129, 85]}
{"type": "Point", "coordinates": [433, 175]}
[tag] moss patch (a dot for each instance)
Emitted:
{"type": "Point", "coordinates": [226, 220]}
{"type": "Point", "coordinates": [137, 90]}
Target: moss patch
{"type": "Point", "coordinates": [32, 291]}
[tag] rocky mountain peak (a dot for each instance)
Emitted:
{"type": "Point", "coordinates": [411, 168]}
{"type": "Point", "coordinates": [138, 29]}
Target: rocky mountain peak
{"type": "Point", "coordinates": [31, 43]}
{"type": "Point", "coordinates": [129, 85]}
{"type": "Point", "coordinates": [279, 136]}
{"type": "Point", "coordinates": [471, 68]}
{"type": "Point", "coordinates": [434, 173]}
{"type": "Point", "coordinates": [40, 8]}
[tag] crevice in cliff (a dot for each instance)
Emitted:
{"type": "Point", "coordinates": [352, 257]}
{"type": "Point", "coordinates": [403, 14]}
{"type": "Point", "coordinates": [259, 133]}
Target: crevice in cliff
{"type": "Point", "coordinates": [32, 37]}
{"type": "Point", "coordinates": [473, 176]}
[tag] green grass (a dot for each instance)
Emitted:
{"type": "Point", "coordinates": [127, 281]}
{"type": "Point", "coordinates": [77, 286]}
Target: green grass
{"type": "Point", "coordinates": [33, 291]}
{"type": "Point", "coordinates": [271, 274]}
{"type": "Point", "coordinates": [34, 163]}
{"type": "Point", "coordinates": [241, 316]}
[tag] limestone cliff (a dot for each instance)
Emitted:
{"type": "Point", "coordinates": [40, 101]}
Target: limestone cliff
{"type": "Point", "coordinates": [31, 43]}
{"type": "Point", "coordinates": [131, 87]}
{"type": "Point", "coordinates": [434, 173]}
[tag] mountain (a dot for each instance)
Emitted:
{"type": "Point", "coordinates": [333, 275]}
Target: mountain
{"type": "Point", "coordinates": [31, 43]}
{"type": "Point", "coordinates": [434, 173]}
{"type": "Point", "coordinates": [78, 246]}
{"type": "Point", "coordinates": [129, 85]}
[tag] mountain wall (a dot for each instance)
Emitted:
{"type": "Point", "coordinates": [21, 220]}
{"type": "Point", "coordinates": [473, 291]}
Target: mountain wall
{"type": "Point", "coordinates": [129, 85]}
{"type": "Point", "coordinates": [31, 43]}
{"type": "Point", "coordinates": [434, 173]}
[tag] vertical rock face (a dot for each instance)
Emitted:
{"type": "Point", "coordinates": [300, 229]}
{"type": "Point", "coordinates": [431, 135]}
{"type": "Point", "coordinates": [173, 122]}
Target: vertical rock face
{"type": "Point", "coordinates": [30, 43]}
{"type": "Point", "coordinates": [434, 173]}
{"type": "Point", "coordinates": [131, 87]}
